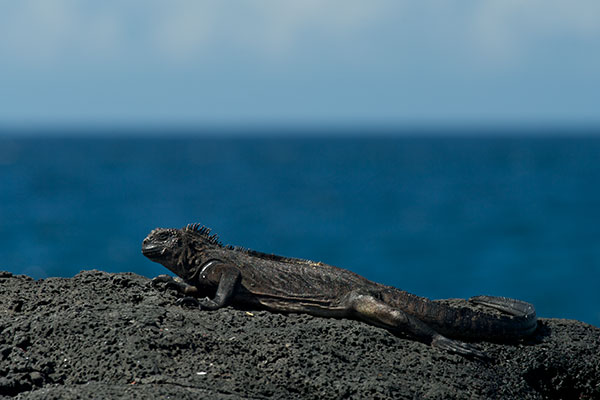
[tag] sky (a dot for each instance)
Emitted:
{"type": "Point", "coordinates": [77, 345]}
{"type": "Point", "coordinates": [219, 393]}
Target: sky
{"type": "Point", "coordinates": [261, 62]}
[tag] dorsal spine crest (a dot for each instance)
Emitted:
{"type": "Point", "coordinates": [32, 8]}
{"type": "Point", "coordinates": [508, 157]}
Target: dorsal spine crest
{"type": "Point", "coordinates": [204, 231]}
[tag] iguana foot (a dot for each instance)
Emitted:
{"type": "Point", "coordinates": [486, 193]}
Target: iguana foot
{"type": "Point", "coordinates": [174, 283]}
{"type": "Point", "coordinates": [458, 347]}
{"type": "Point", "coordinates": [208, 304]}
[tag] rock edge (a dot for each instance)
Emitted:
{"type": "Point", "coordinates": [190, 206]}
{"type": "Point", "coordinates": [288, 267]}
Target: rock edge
{"type": "Point", "coordinates": [103, 335]}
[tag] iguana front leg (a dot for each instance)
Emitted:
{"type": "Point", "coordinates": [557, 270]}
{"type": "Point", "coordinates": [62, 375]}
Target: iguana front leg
{"type": "Point", "coordinates": [228, 278]}
{"type": "Point", "coordinates": [224, 276]}
{"type": "Point", "coordinates": [376, 312]}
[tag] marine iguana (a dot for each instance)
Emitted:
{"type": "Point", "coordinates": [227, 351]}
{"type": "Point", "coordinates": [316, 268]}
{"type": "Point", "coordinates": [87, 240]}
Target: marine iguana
{"type": "Point", "coordinates": [234, 275]}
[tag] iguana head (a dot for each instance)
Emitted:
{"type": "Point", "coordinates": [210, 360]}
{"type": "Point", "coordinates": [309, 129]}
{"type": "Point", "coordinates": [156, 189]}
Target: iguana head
{"type": "Point", "coordinates": [183, 251]}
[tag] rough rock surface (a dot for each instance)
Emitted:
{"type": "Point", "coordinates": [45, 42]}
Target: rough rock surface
{"type": "Point", "coordinates": [101, 335]}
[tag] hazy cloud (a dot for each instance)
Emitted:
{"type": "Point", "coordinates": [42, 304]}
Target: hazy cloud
{"type": "Point", "coordinates": [504, 29]}
{"type": "Point", "coordinates": [33, 30]}
{"type": "Point", "coordinates": [230, 60]}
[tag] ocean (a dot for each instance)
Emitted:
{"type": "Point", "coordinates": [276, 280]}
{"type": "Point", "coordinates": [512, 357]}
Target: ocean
{"type": "Point", "coordinates": [437, 216]}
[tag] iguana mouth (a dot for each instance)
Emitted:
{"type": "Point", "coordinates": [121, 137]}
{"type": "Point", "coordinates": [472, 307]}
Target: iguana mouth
{"type": "Point", "coordinates": [152, 251]}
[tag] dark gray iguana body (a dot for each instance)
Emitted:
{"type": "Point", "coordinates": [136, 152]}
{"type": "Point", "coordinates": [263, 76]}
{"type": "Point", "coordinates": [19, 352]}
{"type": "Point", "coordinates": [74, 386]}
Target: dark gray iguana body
{"type": "Point", "coordinates": [239, 276]}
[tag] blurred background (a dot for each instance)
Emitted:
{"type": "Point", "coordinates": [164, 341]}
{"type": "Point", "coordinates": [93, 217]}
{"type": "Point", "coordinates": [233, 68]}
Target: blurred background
{"type": "Point", "coordinates": [448, 149]}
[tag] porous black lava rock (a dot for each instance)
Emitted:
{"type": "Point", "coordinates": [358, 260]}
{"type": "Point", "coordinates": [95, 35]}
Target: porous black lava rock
{"type": "Point", "coordinates": [101, 335]}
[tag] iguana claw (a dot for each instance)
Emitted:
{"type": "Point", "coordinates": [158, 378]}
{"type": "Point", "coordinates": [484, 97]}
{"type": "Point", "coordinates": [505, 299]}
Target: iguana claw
{"type": "Point", "coordinates": [458, 347]}
{"type": "Point", "coordinates": [188, 301]}
{"type": "Point", "coordinates": [173, 283]}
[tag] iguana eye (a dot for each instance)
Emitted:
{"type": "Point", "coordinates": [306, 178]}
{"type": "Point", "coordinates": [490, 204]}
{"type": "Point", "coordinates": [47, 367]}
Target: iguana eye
{"type": "Point", "coordinates": [163, 236]}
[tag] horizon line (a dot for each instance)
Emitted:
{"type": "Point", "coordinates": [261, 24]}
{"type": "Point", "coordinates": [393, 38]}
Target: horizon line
{"type": "Point", "coordinates": [302, 129]}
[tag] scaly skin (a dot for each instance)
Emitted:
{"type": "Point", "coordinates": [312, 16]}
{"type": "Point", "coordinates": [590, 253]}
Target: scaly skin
{"type": "Point", "coordinates": [233, 275]}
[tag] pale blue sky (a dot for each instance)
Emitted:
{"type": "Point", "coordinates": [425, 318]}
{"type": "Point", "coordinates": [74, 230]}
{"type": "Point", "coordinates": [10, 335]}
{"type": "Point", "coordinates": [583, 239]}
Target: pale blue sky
{"type": "Point", "coordinates": [287, 62]}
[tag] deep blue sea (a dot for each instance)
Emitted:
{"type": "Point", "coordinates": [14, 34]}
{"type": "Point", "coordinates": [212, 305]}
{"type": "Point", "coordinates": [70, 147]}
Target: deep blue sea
{"type": "Point", "coordinates": [437, 216]}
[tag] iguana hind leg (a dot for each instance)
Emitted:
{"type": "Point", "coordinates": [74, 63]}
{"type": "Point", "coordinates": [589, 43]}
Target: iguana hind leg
{"type": "Point", "coordinates": [376, 312]}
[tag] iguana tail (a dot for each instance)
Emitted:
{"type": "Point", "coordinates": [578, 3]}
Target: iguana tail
{"type": "Point", "coordinates": [520, 319]}
{"type": "Point", "coordinates": [516, 320]}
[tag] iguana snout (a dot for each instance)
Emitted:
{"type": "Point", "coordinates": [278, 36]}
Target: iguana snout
{"type": "Point", "coordinates": [162, 245]}
{"type": "Point", "coordinates": [180, 250]}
